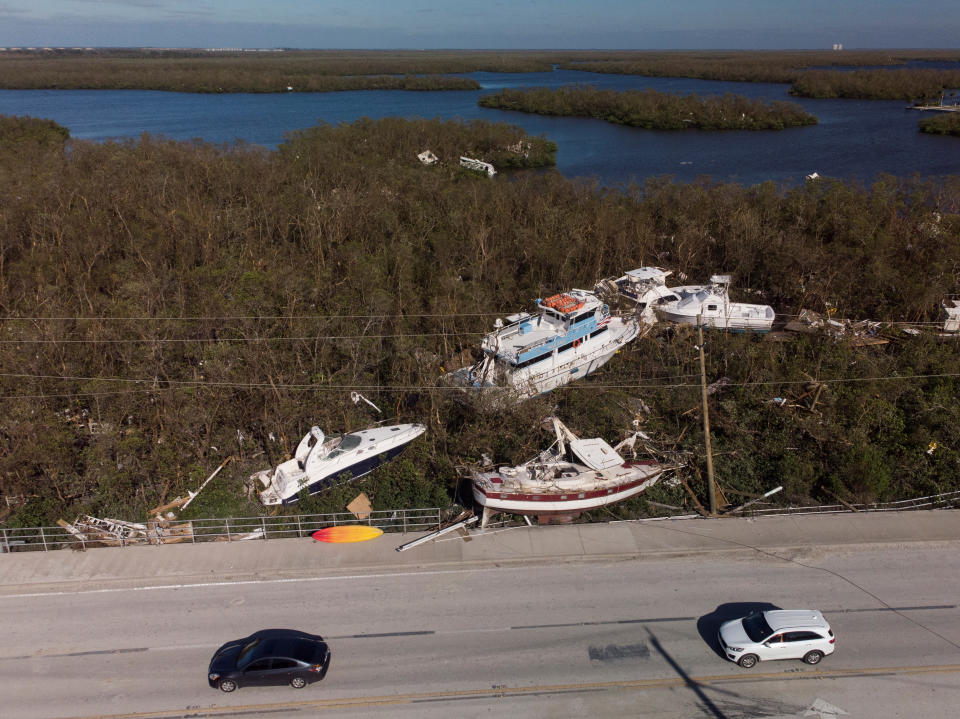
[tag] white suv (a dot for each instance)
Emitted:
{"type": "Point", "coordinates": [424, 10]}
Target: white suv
{"type": "Point", "coordinates": [777, 634]}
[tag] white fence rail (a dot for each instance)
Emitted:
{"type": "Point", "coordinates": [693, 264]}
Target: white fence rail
{"type": "Point", "coordinates": [934, 501]}
{"type": "Point", "coordinates": [221, 530]}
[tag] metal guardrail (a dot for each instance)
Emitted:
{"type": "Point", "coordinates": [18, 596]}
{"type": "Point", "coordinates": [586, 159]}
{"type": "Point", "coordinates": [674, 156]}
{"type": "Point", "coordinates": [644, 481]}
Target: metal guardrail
{"type": "Point", "coordinates": [934, 501]}
{"type": "Point", "coordinates": [400, 520]}
{"type": "Point", "coordinates": [193, 531]}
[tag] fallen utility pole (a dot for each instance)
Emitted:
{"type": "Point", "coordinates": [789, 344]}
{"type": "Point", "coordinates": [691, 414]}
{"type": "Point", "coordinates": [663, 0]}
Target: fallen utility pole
{"type": "Point", "coordinates": [182, 502]}
{"type": "Point", "coordinates": [433, 535]}
{"type": "Point", "coordinates": [758, 499]}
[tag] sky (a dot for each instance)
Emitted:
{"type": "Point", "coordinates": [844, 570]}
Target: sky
{"type": "Point", "coordinates": [491, 24]}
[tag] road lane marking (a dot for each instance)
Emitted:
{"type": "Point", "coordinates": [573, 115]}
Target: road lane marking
{"type": "Point", "coordinates": [430, 632]}
{"type": "Point", "coordinates": [248, 582]}
{"type": "Point", "coordinates": [500, 691]}
{"type": "Point", "coordinates": [652, 620]}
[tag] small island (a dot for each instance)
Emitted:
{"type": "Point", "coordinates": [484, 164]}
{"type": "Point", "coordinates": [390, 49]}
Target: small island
{"type": "Point", "coordinates": [945, 123]}
{"type": "Point", "coordinates": [899, 84]}
{"type": "Point", "coordinates": [653, 110]}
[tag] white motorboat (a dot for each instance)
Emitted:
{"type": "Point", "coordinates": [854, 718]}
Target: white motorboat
{"type": "Point", "coordinates": [572, 476]}
{"type": "Point", "coordinates": [710, 306]}
{"type": "Point", "coordinates": [571, 336]}
{"type": "Point", "coordinates": [321, 461]}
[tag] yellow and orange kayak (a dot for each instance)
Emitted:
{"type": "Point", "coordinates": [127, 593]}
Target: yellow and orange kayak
{"type": "Point", "coordinates": [347, 533]}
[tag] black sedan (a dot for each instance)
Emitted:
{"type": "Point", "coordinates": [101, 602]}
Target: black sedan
{"type": "Point", "coordinates": [270, 656]}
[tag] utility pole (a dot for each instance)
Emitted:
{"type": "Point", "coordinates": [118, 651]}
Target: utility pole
{"type": "Point", "coordinates": [711, 487]}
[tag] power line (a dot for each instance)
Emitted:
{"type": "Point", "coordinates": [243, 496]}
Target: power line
{"type": "Point", "coordinates": [169, 385]}
{"type": "Point", "coordinates": [211, 340]}
{"type": "Point", "coordinates": [223, 318]}
{"type": "Point", "coordinates": [304, 338]}
{"type": "Point", "coordinates": [382, 316]}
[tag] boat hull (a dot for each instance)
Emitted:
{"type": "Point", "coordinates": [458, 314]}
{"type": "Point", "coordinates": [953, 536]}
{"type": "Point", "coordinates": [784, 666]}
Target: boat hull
{"type": "Point", "coordinates": [566, 372]}
{"type": "Point", "coordinates": [732, 324]}
{"type": "Point", "coordinates": [530, 501]}
{"type": "Point", "coordinates": [357, 470]}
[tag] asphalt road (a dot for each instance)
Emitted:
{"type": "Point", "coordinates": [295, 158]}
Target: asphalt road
{"type": "Point", "coordinates": [591, 639]}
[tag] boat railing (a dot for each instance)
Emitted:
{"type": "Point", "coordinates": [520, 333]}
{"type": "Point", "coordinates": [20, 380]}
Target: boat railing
{"type": "Point", "coordinates": [222, 529]}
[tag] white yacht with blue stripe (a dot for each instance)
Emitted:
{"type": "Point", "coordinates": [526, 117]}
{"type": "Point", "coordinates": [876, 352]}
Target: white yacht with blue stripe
{"type": "Point", "coordinates": [571, 335]}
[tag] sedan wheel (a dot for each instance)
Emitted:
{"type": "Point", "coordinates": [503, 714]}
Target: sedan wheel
{"type": "Point", "coordinates": [228, 685]}
{"type": "Point", "coordinates": [813, 657]}
{"type": "Point", "coordinates": [747, 661]}
{"type": "Point", "coordinates": [298, 682]}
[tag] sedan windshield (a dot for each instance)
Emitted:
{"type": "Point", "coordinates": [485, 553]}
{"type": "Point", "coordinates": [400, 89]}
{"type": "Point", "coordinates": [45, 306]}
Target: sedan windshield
{"type": "Point", "coordinates": [248, 653]}
{"type": "Point", "coordinates": [756, 627]}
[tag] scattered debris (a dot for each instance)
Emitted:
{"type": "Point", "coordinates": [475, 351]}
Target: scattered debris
{"type": "Point", "coordinates": [858, 333]}
{"type": "Point", "coordinates": [83, 422]}
{"type": "Point", "coordinates": [110, 532]}
{"type": "Point", "coordinates": [360, 506]}
{"type": "Point", "coordinates": [17, 500]}
{"type": "Point", "coordinates": [356, 397]}
{"type": "Point", "coordinates": [715, 387]}
{"type": "Point", "coordinates": [522, 148]}
{"type": "Point", "coordinates": [428, 158]}
{"type": "Point", "coordinates": [255, 534]}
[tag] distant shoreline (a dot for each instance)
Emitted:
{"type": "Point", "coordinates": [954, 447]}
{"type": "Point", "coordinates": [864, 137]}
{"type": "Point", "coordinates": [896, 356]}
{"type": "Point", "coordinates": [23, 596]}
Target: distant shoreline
{"type": "Point", "coordinates": [276, 70]}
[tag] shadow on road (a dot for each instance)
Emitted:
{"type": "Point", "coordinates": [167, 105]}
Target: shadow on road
{"type": "Point", "coordinates": [709, 624]}
{"type": "Point", "coordinates": [706, 703]}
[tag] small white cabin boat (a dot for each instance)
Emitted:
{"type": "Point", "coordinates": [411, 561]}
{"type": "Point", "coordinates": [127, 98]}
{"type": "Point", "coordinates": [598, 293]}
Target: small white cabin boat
{"type": "Point", "coordinates": [572, 476]}
{"type": "Point", "coordinates": [951, 316]}
{"type": "Point", "coordinates": [571, 336]}
{"type": "Point", "coordinates": [710, 306]}
{"type": "Point", "coordinates": [319, 461]}
{"type": "Point", "coordinates": [646, 287]}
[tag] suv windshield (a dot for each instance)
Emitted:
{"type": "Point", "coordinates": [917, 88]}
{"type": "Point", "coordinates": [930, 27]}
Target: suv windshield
{"type": "Point", "coordinates": [756, 627]}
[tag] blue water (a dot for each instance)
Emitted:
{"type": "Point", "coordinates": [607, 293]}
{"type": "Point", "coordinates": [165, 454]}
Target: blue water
{"type": "Point", "coordinates": [854, 139]}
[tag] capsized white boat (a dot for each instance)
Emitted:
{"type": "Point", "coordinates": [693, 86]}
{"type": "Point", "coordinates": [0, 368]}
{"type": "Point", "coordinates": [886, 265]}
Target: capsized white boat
{"type": "Point", "coordinates": [710, 306]}
{"type": "Point", "coordinates": [320, 461]}
{"type": "Point", "coordinates": [572, 476]}
{"type": "Point", "coordinates": [572, 335]}
{"type": "Point", "coordinates": [646, 287]}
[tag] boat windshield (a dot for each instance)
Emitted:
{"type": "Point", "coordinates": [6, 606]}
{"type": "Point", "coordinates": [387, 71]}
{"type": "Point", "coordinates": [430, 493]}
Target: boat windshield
{"type": "Point", "coordinates": [756, 627]}
{"type": "Point", "coordinates": [350, 441]}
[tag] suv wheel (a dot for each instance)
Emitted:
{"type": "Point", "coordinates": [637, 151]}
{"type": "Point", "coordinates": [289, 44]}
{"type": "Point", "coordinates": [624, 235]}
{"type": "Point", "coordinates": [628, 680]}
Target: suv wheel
{"type": "Point", "coordinates": [813, 657]}
{"type": "Point", "coordinates": [747, 661]}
